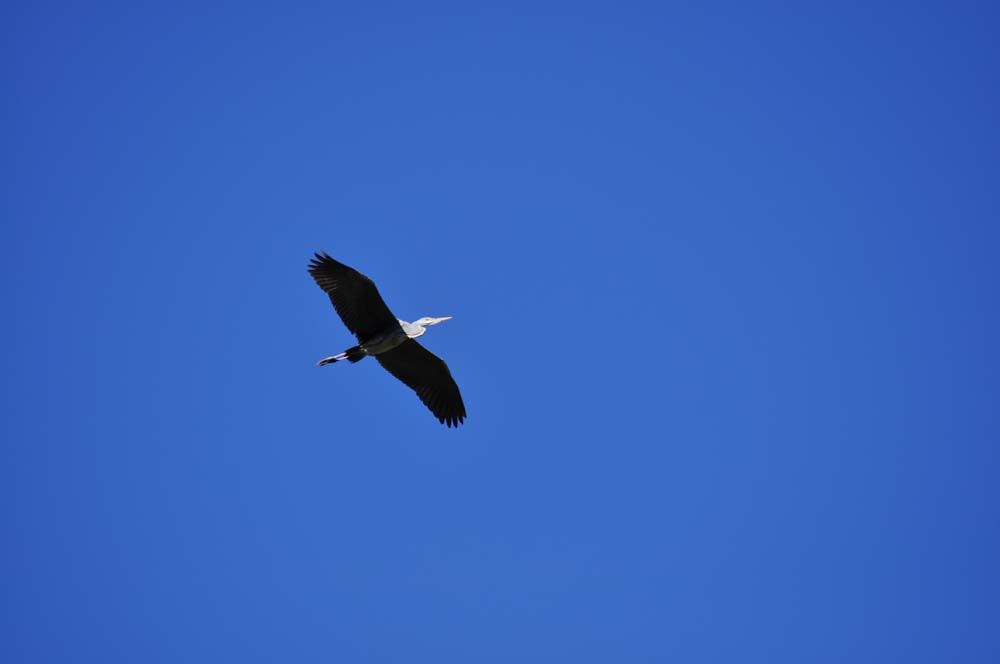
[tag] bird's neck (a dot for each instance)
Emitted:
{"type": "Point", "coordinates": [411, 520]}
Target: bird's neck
{"type": "Point", "coordinates": [412, 329]}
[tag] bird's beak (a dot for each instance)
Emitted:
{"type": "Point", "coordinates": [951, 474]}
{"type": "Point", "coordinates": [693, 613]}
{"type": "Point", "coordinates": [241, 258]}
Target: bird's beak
{"type": "Point", "coordinates": [440, 320]}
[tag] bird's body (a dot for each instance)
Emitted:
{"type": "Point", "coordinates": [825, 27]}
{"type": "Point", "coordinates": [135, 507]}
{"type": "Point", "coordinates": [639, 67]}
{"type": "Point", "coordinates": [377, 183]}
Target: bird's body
{"type": "Point", "coordinates": [384, 342]}
{"type": "Point", "coordinates": [387, 338]}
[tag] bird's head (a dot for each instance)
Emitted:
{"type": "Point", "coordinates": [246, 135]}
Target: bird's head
{"type": "Point", "coordinates": [427, 321]}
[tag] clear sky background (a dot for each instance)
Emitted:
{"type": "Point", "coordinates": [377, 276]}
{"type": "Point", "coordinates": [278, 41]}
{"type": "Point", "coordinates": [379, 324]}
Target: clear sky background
{"type": "Point", "coordinates": [724, 287]}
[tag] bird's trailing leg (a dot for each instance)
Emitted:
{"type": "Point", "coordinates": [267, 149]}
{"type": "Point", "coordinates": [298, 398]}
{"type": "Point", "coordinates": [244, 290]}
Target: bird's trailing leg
{"type": "Point", "coordinates": [331, 359]}
{"type": "Point", "coordinates": [352, 355]}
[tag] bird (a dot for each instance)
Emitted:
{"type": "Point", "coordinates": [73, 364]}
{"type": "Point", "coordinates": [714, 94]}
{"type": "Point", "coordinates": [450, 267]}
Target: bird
{"type": "Point", "coordinates": [388, 339]}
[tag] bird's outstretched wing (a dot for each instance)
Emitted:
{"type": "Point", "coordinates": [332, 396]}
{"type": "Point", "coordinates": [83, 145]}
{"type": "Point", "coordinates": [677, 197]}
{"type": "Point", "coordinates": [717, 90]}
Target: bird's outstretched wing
{"type": "Point", "coordinates": [428, 376]}
{"type": "Point", "coordinates": [354, 296]}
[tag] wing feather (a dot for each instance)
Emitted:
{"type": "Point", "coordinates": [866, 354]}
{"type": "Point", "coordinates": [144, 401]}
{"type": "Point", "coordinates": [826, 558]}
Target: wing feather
{"type": "Point", "coordinates": [354, 296]}
{"type": "Point", "coordinates": [427, 375]}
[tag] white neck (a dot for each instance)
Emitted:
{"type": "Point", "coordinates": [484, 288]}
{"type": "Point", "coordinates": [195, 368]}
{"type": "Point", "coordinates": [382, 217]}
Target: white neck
{"type": "Point", "coordinates": [412, 329]}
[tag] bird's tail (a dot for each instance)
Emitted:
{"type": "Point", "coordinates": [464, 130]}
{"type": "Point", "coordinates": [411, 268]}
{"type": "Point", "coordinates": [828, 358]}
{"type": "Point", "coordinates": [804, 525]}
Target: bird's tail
{"type": "Point", "coordinates": [352, 355]}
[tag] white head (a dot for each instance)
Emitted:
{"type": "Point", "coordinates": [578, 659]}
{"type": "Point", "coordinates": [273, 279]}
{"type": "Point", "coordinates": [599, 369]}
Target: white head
{"type": "Point", "coordinates": [427, 321]}
{"type": "Point", "coordinates": [418, 327]}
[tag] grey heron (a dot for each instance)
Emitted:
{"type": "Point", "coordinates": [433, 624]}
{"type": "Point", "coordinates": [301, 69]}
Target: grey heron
{"type": "Point", "coordinates": [388, 339]}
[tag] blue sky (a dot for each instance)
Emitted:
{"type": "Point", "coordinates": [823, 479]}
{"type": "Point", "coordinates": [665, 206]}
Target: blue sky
{"type": "Point", "coordinates": [723, 280]}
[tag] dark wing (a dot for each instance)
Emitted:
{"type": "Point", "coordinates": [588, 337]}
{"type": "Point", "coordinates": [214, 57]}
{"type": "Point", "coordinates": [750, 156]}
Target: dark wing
{"type": "Point", "coordinates": [354, 296]}
{"type": "Point", "coordinates": [429, 377]}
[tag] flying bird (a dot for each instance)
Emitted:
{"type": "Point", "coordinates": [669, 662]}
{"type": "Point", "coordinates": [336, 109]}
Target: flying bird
{"type": "Point", "coordinates": [388, 339]}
